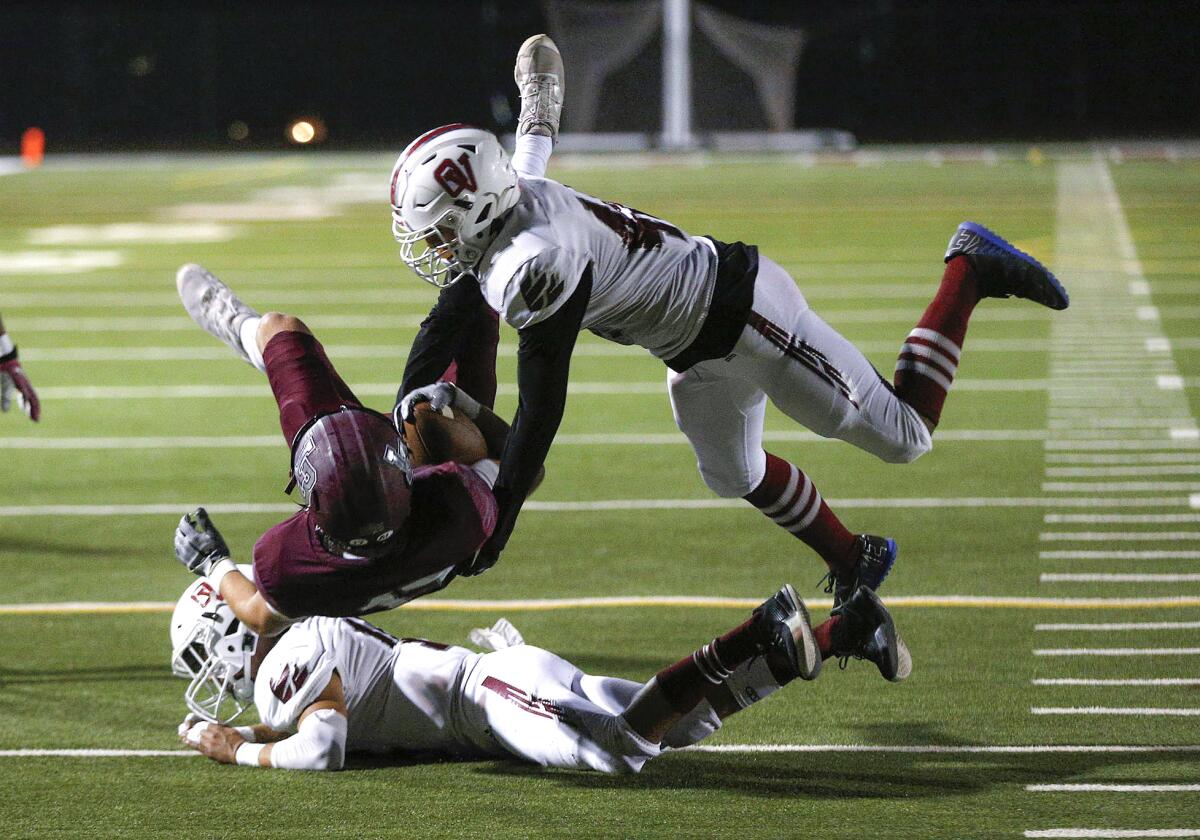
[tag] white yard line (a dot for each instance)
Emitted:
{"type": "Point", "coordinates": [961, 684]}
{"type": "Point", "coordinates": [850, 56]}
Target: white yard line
{"type": "Point", "coordinates": [895, 749]}
{"type": "Point", "coordinates": [221, 391]}
{"type": "Point", "coordinates": [1118, 486]}
{"type": "Point", "coordinates": [1120, 577]}
{"type": "Point", "coordinates": [1143, 682]}
{"type": "Point", "coordinates": [1120, 536]}
{"type": "Point", "coordinates": [1112, 788]}
{"type": "Point", "coordinates": [644, 601]}
{"type": "Point", "coordinates": [1139, 711]}
{"type": "Point", "coordinates": [1160, 651]}
{"type": "Point", "coordinates": [1120, 518]}
{"type": "Point", "coordinates": [1113, 832]}
{"type": "Point", "coordinates": [566, 439]}
{"type": "Point", "coordinates": [599, 505]}
{"type": "Point", "coordinates": [1126, 626]}
{"type": "Point", "coordinates": [1119, 555]}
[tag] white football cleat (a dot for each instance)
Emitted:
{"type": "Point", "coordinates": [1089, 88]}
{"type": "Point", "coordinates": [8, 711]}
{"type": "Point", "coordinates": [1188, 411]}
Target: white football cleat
{"type": "Point", "coordinates": [213, 306]}
{"type": "Point", "coordinates": [540, 79]}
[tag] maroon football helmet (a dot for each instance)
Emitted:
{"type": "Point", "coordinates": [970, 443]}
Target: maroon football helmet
{"type": "Point", "coordinates": [352, 471]}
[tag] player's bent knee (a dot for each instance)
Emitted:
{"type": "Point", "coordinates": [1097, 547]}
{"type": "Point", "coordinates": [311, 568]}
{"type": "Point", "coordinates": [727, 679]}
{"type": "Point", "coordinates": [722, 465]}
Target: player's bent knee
{"type": "Point", "coordinates": [728, 486]}
{"type": "Point", "coordinates": [273, 323]}
{"type": "Point", "coordinates": [906, 451]}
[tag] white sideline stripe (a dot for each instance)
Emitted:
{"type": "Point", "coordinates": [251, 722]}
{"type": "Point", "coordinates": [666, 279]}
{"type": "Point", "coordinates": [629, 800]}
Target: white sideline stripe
{"type": "Point", "coordinates": [1111, 788]}
{"type": "Point", "coordinates": [1119, 536]}
{"type": "Point", "coordinates": [1116, 518]}
{"type": "Point", "coordinates": [604, 602]}
{"type": "Point", "coordinates": [1114, 832]}
{"type": "Point", "coordinates": [578, 439]}
{"type": "Point", "coordinates": [902, 749]}
{"type": "Point", "coordinates": [1166, 681]}
{"type": "Point", "coordinates": [1123, 458]}
{"type": "Point", "coordinates": [1105, 577]}
{"type": "Point", "coordinates": [180, 323]}
{"type": "Point", "coordinates": [146, 392]}
{"type": "Point", "coordinates": [1117, 652]}
{"type": "Point", "coordinates": [1140, 711]}
{"type": "Point", "coordinates": [1123, 471]}
{"type": "Point", "coordinates": [1124, 626]}
{"type": "Point", "coordinates": [1092, 445]}
{"type": "Point", "coordinates": [178, 508]}
{"type": "Point", "coordinates": [399, 351]}
{"type": "Point", "coordinates": [1119, 555]}
{"type": "Point", "coordinates": [1117, 486]}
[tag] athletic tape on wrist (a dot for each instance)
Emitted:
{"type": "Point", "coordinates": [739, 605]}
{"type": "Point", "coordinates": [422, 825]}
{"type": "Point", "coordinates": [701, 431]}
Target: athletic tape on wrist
{"type": "Point", "coordinates": [217, 573]}
{"type": "Point", "coordinates": [248, 753]}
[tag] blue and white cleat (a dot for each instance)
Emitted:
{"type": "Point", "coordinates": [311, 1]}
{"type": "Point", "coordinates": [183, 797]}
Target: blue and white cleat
{"type": "Point", "coordinates": [876, 556]}
{"type": "Point", "coordinates": [1004, 270]}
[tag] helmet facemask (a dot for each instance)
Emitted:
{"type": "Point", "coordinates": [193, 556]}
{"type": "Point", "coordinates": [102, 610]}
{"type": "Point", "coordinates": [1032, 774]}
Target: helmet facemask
{"type": "Point", "coordinates": [435, 252]}
{"type": "Point", "coordinates": [216, 654]}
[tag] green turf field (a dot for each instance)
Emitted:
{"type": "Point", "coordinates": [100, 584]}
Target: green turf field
{"type": "Point", "coordinates": [1068, 449]}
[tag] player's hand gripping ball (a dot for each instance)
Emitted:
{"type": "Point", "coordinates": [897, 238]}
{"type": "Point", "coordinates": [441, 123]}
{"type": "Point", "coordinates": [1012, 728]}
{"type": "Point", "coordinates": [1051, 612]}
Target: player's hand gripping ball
{"type": "Point", "coordinates": [434, 437]}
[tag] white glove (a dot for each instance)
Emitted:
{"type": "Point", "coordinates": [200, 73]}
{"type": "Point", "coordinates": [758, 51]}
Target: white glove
{"type": "Point", "coordinates": [438, 395]}
{"type": "Point", "coordinates": [500, 636]}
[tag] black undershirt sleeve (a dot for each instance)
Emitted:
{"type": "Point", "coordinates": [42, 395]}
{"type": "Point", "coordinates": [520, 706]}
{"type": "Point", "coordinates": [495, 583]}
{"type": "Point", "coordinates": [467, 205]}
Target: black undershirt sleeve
{"type": "Point", "coordinates": [543, 367]}
{"type": "Point", "coordinates": [442, 334]}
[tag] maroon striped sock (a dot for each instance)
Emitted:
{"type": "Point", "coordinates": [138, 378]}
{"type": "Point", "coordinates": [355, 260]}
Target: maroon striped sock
{"type": "Point", "coordinates": [929, 357]}
{"type": "Point", "coordinates": [686, 683]}
{"type": "Point", "coordinates": [788, 498]}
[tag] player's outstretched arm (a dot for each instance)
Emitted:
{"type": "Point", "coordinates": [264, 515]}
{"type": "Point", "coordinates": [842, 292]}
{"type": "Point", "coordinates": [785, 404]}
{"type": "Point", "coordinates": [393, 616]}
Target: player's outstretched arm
{"type": "Point", "coordinates": [13, 378]}
{"type": "Point", "coordinates": [319, 742]}
{"type": "Point", "coordinates": [443, 335]}
{"type": "Point", "coordinates": [201, 549]}
{"type": "Point", "coordinates": [543, 367]}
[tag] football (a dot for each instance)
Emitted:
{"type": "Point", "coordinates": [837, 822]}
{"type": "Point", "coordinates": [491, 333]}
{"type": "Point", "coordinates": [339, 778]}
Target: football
{"type": "Point", "coordinates": [434, 437]}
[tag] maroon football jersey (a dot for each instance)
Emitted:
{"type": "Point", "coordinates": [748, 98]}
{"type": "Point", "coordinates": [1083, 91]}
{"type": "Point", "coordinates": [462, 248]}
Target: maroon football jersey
{"type": "Point", "coordinates": [453, 513]}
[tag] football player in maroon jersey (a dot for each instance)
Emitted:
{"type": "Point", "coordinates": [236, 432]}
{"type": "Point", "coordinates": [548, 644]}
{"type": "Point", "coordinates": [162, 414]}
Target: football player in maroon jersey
{"type": "Point", "coordinates": [373, 531]}
{"type": "Point", "coordinates": [13, 378]}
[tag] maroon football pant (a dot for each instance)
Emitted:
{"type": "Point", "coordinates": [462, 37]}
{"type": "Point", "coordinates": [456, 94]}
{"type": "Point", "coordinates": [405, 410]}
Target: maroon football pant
{"type": "Point", "coordinates": [303, 380]}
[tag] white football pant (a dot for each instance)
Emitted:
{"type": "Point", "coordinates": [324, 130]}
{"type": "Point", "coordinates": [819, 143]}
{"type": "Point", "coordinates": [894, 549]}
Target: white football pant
{"type": "Point", "coordinates": [813, 375]}
{"type": "Point", "coordinates": [543, 709]}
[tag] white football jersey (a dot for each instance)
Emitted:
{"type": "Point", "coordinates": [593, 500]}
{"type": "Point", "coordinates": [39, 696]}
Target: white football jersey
{"type": "Point", "coordinates": [651, 282]}
{"type": "Point", "coordinates": [401, 695]}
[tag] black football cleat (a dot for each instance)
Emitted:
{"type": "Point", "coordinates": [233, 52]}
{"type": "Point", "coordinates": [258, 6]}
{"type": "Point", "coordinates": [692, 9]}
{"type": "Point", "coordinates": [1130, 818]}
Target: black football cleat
{"type": "Point", "coordinates": [1004, 270]}
{"type": "Point", "coordinates": [866, 631]}
{"type": "Point", "coordinates": [876, 556]}
{"type": "Point", "coordinates": [786, 638]}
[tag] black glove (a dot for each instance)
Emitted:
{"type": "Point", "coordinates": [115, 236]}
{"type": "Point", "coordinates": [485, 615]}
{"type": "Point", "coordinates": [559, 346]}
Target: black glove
{"type": "Point", "coordinates": [198, 544]}
{"type": "Point", "coordinates": [483, 560]}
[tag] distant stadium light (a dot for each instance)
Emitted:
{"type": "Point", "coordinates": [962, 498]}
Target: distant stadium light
{"type": "Point", "coordinates": [306, 130]}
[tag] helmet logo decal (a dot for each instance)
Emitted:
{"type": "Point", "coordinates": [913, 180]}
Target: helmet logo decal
{"type": "Point", "coordinates": [290, 681]}
{"type": "Point", "coordinates": [205, 594]}
{"type": "Point", "coordinates": [454, 178]}
{"type": "Point", "coordinates": [305, 471]}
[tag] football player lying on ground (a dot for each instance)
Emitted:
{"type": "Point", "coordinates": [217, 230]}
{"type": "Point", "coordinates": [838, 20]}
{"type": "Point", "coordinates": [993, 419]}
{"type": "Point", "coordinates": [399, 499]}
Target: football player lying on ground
{"type": "Point", "coordinates": [729, 323]}
{"type": "Point", "coordinates": [373, 532]}
{"type": "Point", "coordinates": [332, 686]}
{"type": "Point", "coordinates": [13, 378]}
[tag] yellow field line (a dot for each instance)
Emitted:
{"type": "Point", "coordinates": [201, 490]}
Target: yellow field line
{"type": "Point", "coordinates": [546, 604]}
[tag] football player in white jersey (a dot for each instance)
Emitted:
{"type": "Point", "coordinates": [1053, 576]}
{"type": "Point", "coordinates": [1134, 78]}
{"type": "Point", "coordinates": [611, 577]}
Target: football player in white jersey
{"type": "Point", "coordinates": [332, 686]}
{"type": "Point", "coordinates": [730, 324]}
{"type": "Point", "coordinates": [13, 378]}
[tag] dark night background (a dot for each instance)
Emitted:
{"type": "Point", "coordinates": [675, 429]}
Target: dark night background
{"type": "Point", "coordinates": [118, 76]}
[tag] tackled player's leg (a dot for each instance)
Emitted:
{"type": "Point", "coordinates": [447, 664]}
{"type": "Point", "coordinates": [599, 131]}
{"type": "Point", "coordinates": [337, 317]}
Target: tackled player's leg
{"type": "Point", "coordinates": [304, 381]}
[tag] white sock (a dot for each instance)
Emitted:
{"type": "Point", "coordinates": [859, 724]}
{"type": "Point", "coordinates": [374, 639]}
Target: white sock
{"type": "Point", "coordinates": [249, 337]}
{"type": "Point", "coordinates": [532, 155]}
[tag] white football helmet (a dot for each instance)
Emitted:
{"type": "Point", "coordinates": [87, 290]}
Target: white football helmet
{"type": "Point", "coordinates": [213, 649]}
{"type": "Point", "coordinates": [448, 189]}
